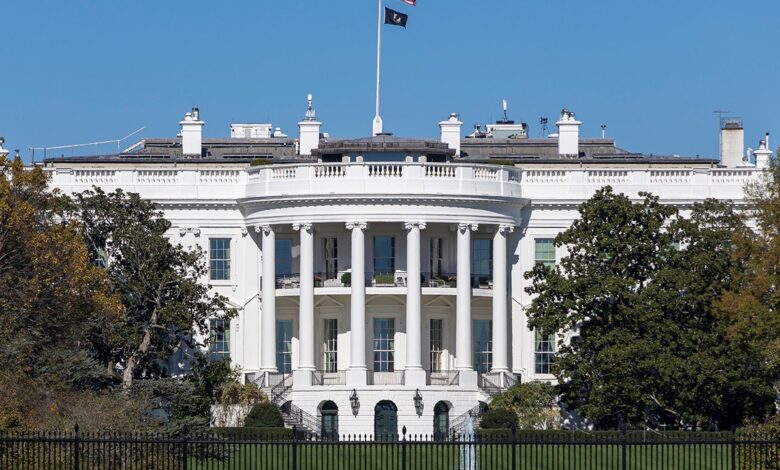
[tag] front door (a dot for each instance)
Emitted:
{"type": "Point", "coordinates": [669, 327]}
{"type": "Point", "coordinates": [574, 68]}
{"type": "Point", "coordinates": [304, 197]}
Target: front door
{"type": "Point", "coordinates": [385, 421]}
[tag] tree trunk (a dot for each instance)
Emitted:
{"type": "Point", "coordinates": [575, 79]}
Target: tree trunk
{"type": "Point", "coordinates": [132, 362]}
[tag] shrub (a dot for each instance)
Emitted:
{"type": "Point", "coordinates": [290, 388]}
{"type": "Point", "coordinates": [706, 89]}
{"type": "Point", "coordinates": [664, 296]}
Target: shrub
{"type": "Point", "coordinates": [534, 403]}
{"type": "Point", "coordinates": [346, 279]}
{"type": "Point", "coordinates": [498, 418]}
{"type": "Point", "coordinates": [233, 393]}
{"type": "Point", "coordinates": [255, 434]}
{"type": "Point", "coordinates": [260, 161]}
{"type": "Point", "coordinates": [497, 161]}
{"type": "Point", "coordinates": [264, 415]}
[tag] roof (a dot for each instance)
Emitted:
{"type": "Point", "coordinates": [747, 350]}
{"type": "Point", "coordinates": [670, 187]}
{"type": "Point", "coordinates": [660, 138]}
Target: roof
{"type": "Point", "coordinates": [383, 143]}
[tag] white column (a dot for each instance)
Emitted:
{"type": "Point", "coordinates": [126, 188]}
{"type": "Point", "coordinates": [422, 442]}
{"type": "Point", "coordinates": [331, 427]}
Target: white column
{"type": "Point", "coordinates": [357, 372]}
{"type": "Point", "coordinates": [463, 341]}
{"type": "Point", "coordinates": [302, 375]}
{"type": "Point", "coordinates": [249, 332]}
{"type": "Point", "coordinates": [414, 374]}
{"type": "Point", "coordinates": [268, 306]}
{"type": "Point", "coordinates": [500, 295]}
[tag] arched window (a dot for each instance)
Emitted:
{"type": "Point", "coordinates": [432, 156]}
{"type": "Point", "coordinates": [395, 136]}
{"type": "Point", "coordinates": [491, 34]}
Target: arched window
{"type": "Point", "coordinates": [385, 421]}
{"type": "Point", "coordinates": [329, 421]}
{"type": "Point", "coordinates": [441, 421]}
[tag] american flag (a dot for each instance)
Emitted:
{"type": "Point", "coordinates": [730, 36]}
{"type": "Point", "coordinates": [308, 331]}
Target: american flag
{"type": "Point", "coordinates": [410, 2]}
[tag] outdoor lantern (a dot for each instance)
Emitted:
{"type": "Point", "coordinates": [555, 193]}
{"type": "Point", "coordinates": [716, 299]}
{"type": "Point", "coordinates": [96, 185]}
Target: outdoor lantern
{"type": "Point", "coordinates": [354, 401]}
{"type": "Point", "coordinates": [418, 403]}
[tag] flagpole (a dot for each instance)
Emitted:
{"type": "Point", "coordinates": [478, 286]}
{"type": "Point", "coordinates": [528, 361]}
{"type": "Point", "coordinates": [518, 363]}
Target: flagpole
{"type": "Point", "coordinates": [377, 119]}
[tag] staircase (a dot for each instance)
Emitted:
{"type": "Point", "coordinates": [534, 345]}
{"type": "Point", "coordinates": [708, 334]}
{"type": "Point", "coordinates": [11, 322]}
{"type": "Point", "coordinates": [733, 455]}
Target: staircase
{"type": "Point", "coordinates": [278, 388]}
{"type": "Point", "coordinates": [491, 384]}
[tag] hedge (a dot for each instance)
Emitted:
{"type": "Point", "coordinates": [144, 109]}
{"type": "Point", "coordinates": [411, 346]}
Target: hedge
{"type": "Point", "coordinates": [255, 434]}
{"type": "Point", "coordinates": [264, 415]}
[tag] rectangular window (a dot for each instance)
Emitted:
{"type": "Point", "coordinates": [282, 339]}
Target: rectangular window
{"type": "Point", "coordinates": [545, 252]}
{"type": "Point", "coordinates": [437, 257]}
{"type": "Point", "coordinates": [219, 338]}
{"type": "Point", "coordinates": [219, 259]}
{"type": "Point", "coordinates": [544, 351]}
{"type": "Point", "coordinates": [330, 250]}
{"type": "Point", "coordinates": [482, 262]}
{"type": "Point", "coordinates": [483, 345]}
{"type": "Point", "coordinates": [284, 259]}
{"type": "Point", "coordinates": [384, 344]}
{"type": "Point", "coordinates": [330, 345]}
{"type": "Point", "coordinates": [437, 344]}
{"type": "Point", "coordinates": [284, 346]}
{"type": "Point", "coordinates": [384, 255]}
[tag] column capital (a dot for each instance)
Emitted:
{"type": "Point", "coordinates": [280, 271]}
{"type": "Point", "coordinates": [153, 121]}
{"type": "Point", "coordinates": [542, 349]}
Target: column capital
{"type": "Point", "coordinates": [463, 226]}
{"type": "Point", "coordinates": [307, 226]}
{"type": "Point", "coordinates": [263, 228]}
{"type": "Point", "coordinates": [418, 224]}
{"type": "Point", "coordinates": [506, 229]}
{"type": "Point", "coordinates": [354, 225]}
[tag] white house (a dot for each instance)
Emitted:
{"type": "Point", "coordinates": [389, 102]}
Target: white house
{"type": "Point", "coordinates": [379, 281]}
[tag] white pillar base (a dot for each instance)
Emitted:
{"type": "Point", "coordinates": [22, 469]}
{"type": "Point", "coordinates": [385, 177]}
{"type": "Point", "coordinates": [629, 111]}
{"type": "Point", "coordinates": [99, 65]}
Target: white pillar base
{"type": "Point", "coordinates": [415, 377]}
{"type": "Point", "coordinates": [356, 377]}
{"type": "Point", "coordinates": [302, 377]}
{"type": "Point", "coordinates": [468, 378]}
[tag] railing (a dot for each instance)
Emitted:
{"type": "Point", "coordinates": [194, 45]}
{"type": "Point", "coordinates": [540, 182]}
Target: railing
{"type": "Point", "coordinates": [288, 281]}
{"type": "Point", "coordinates": [319, 377]}
{"type": "Point", "coordinates": [280, 384]}
{"type": "Point", "coordinates": [457, 426]}
{"type": "Point", "coordinates": [493, 383]}
{"type": "Point", "coordinates": [158, 176]}
{"type": "Point", "coordinates": [297, 418]}
{"type": "Point", "coordinates": [439, 171]}
{"type": "Point", "coordinates": [96, 177]}
{"type": "Point", "coordinates": [386, 378]}
{"type": "Point", "coordinates": [444, 377]}
{"type": "Point", "coordinates": [220, 176]}
{"type": "Point", "coordinates": [219, 449]}
{"type": "Point", "coordinates": [440, 280]}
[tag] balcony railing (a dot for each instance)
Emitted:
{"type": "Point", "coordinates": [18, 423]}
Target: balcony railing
{"type": "Point", "coordinates": [444, 377]}
{"type": "Point", "coordinates": [388, 279]}
{"type": "Point", "coordinates": [386, 378]}
{"type": "Point", "coordinates": [323, 378]}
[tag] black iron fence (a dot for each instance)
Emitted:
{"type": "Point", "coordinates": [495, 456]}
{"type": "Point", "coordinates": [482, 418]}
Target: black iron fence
{"type": "Point", "coordinates": [521, 450]}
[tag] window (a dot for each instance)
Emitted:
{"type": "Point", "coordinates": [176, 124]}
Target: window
{"type": "Point", "coordinates": [329, 421]}
{"type": "Point", "coordinates": [545, 252]}
{"type": "Point", "coordinates": [284, 346]}
{"type": "Point", "coordinates": [219, 338]}
{"type": "Point", "coordinates": [384, 255]}
{"type": "Point", "coordinates": [330, 345]}
{"type": "Point", "coordinates": [384, 344]}
{"type": "Point", "coordinates": [544, 351]}
{"type": "Point", "coordinates": [483, 345]}
{"type": "Point", "coordinates": [283, 254]}
{"type": "Point", "coordinates": [437, 256]}
{"type": "Point", "coordinates": [482, 262]}
{"type": "Point", "coordinates": [330, 250]}
{"type": "Point", "coordinates": [441, 421]}
{"type": "Point", "coordinates": [219, 259]}
{"type": "Point", "coordinates": [436, 344]}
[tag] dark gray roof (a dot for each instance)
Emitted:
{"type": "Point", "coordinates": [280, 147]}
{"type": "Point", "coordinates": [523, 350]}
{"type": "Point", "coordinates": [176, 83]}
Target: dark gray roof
{"type": "Point", "coordinates": [383, 143]}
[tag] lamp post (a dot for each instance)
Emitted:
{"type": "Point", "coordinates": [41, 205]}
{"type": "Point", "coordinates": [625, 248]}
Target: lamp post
{"type": "Point", "coordinates": [354, 401]}
{"type": "Point", "coordinates": [418, 402]}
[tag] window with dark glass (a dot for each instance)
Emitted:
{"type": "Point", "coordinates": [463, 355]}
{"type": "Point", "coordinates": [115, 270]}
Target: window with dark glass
{"type": "Point", "coordinates": [437, 257]}
{"type": "Point", "coordinates": [384, 255]}
{"type": "Point", "coordinates": [284, 259]}
{"type": "Point", "coordinates": [384, 344]}
{"type": "Point", "coordinates": [482, 261]}
{"type": "Point", "coordinates": [330, 250]}
{"type": "Point", "coordinates": [284, 346]}
{"type": "Point", "coordinates": [219, 338]}
{"type": "Point", "coordinates": [437, 344]}
{"type": "Point", "coordinates": [483, 345]}
{"type": "Point", "coordinates": [544, 352]}
{"type": "Point", "coordinates": [330, 345]}
{"type": "Point", "coordinates": [219, 259]}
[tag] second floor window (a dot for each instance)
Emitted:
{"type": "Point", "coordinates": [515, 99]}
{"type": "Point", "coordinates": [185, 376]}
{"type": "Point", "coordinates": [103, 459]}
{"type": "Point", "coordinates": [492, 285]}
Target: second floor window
{"type": "Point", "coordinates": [330, 250]}
{"type": "Point", "coordinates": [384, 344]}
{"type": "Point", "coordinates": [482, 261]}
{"type": "Point", "coordinates": [331, 345]}
{"type": "Point", "coordinates": [437, 256]}
{"type": "Point", "coordinates": [544, 252]}
{"type": "Point", "coordinates": [483, 345]}
{"type": "Point", "coordinates": [384, 255]}
{"type": "Point", "coordinates": [219, 259]}
{"type": "Point", "coordinates": [284, 259]}
{"type": "Point", "coordinates": [219, 338]}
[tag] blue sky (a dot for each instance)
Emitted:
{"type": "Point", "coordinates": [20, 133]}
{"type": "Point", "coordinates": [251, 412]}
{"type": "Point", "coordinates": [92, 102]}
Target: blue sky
{"type": "Point", "coordinates": [77, 71]}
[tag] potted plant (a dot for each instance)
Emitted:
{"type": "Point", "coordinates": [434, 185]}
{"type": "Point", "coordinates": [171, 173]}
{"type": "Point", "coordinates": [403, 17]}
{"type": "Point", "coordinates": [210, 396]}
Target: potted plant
{"type": "Point", "coordinates": [346, 279]}
{"type": "Point", "coordinates": [317, 280]}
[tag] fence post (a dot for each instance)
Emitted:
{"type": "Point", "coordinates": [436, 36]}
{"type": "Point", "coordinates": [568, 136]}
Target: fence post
{"type": "Point", "coordinates": [295, 448]}
{"type": "Point", "coordinates": [184, 448]}
{"type": "Point", "coordinates": [624, 449]}
{"type": "Point", "coordinates": [514, 446]}
{"type": "Point", "coordinates": [76, 448]}
{"type": "Point", "coordinates": [733, 449]}
{"type": "Point", "coordinates": [403, 449]}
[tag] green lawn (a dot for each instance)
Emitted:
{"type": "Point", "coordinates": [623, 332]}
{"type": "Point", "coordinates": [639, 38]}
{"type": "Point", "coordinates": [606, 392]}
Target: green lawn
{"type": "Point", "coordinates": [432, 456]}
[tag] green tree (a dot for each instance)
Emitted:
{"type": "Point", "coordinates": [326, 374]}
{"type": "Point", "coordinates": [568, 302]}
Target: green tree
{"type": "Point", "coordinates": [534, 403]}
{"type": "Point", "coordinates": [160, 284]}
{"type": "Point", "coordinates": [636, 290]}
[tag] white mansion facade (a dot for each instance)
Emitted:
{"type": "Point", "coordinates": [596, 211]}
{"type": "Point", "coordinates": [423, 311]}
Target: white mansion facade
{"type": "Point", "coordinates": [379, 281]}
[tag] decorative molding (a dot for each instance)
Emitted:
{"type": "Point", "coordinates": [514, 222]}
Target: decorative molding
{"type": "Point", "coordinates": [411, 225]}
{"type": "Point", "coordinates": [307, 226]}
{"type": "Point", "coordinates": [185, 230]}
{"type": "Point", "coordinates": [505, 229]}
{"type": "Point", "coordinates": [463, 226]}
{"type": "Point", "coordinates": [244, 231]}
{"type": "Point", "coordinates": [354, 225]}
{"type": "Point", "coordinates": [265, 229]}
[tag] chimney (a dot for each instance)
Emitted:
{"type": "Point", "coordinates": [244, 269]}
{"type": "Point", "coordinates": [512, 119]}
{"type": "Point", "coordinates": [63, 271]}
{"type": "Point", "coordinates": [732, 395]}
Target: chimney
{"type": "Point", "coordinates": [568, 134]}
{"type": "Point", "coordinates": [763, 154]}
{"type": "Point", "coordinates": [450, 132]}
{"type": "Point", "coordinates": [732, 143]}
{"type": "Point", "coordinates": [192, 134]}
{"type": "Point", "coordinates": [309, 130]}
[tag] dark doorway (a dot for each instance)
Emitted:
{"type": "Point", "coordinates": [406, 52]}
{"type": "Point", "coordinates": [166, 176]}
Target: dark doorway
{"type": "Point", "coordinates": [441, 421]}
{"type": "Point", "coordinates": [329, 421]}
{"type": "Point", "coordinates": [385, 421]}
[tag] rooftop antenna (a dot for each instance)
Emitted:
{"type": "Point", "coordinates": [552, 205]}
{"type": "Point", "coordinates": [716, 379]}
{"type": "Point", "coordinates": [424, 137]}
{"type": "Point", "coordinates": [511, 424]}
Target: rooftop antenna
{"type": "Point", "coordinates": [603, 131]}
{"type": "Point", "coordinates": [504, 106]}
{"type": "Point", "coordinates": [543, 121]}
